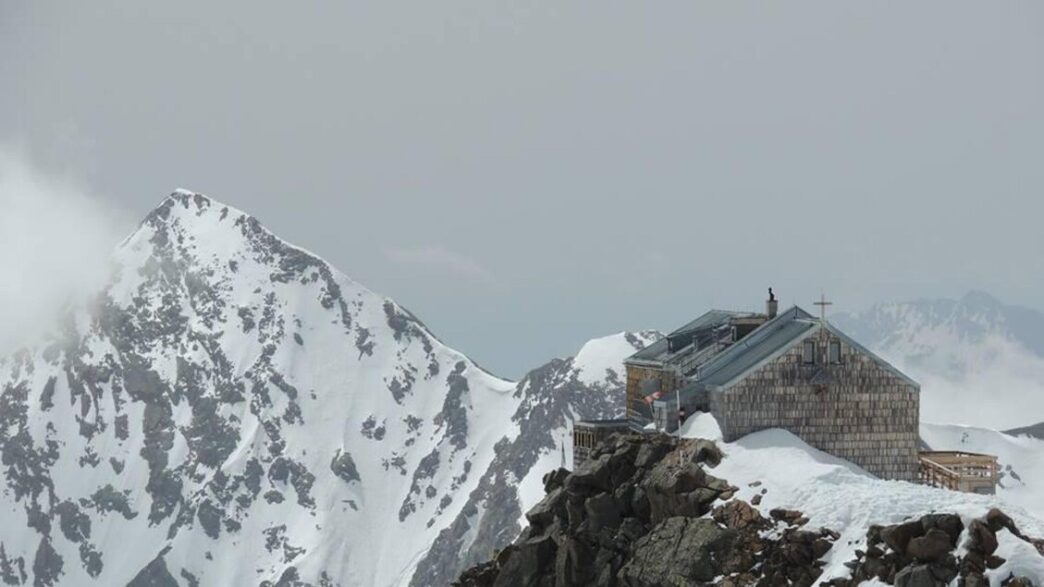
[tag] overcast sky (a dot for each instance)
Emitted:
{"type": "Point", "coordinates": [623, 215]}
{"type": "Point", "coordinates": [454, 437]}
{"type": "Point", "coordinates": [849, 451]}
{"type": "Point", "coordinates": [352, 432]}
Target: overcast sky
{"type": "Point", "coordinates": [525, 176]}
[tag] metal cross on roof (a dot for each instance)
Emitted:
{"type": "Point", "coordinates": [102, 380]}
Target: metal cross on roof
{"type": "Point", "coordinates": [823, 303]}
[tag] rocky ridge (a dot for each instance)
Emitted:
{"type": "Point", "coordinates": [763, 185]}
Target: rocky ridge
{"type": "Point", "coordinates": [644, 511]}
{"type": "Point", "coordinates": [929, 551]}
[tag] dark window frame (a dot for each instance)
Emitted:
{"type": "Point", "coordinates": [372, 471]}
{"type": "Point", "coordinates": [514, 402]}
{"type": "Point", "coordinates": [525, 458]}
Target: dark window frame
{"type": "Point", "coordinates": [808, 353]}
{"type": "Point", "coordinates": [834, 352]}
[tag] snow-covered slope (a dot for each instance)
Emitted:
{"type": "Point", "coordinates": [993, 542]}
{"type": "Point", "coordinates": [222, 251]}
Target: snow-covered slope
{"type": "Point", "coordinates": [836, 494]}
{"type": "Point", "coordinates": [232, 410]}
{"type": "Point", "coordinates": [591, 385]}
{"type": "Point", "coordinates": [1020, 459]}
{"type": "Point", "coordinates": [980, 362]}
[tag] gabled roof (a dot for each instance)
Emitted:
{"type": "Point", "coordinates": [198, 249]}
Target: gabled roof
{"type": "Point", "coordinates": [768, 342]}
{"type": "Point", "coordinates": [659, 351]}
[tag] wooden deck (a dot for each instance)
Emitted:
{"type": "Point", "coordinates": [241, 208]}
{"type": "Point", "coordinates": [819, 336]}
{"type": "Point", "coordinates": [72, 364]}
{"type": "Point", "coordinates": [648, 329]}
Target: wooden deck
{"type": "Point", "coordinates": [959, 471]}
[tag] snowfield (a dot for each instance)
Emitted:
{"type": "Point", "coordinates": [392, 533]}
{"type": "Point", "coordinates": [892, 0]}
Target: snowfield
{"type": "Point", "coordinates": [836, 494]}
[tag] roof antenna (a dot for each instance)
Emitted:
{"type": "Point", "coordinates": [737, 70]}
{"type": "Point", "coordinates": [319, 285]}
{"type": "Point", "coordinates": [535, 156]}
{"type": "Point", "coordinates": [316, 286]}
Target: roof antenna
{"type": "Point", "coordinates": [771, 305]}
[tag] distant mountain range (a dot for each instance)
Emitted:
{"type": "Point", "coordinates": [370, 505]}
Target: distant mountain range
{"type": "Point", "coordinates": [922, 330]}
{"type": "Point", "coordinates": [1036, 431]}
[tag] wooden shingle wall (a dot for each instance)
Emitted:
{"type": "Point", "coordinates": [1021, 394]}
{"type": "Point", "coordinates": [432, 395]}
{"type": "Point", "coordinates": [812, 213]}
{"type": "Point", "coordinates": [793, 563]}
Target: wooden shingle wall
{"type": "Point", "coordinates": [867, 414]}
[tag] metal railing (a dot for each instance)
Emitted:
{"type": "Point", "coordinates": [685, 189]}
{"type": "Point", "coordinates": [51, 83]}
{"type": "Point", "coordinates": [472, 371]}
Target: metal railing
{"type": "Point", "coordinates": [959, 471]}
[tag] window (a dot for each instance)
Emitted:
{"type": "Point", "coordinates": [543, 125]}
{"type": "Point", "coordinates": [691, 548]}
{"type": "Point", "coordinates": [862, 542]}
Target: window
{"type": "Point", "coordinates": [808, 355]}
{"type": "Point", "coordinates": [835, 351]}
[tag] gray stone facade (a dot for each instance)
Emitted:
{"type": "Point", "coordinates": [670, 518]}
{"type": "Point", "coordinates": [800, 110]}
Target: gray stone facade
{"type": "Point", "coordinates": [856, 409]}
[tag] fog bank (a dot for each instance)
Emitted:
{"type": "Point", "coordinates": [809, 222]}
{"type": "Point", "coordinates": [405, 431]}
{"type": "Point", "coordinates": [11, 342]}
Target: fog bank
{"type": "Point", "coordinates": [56, 240]}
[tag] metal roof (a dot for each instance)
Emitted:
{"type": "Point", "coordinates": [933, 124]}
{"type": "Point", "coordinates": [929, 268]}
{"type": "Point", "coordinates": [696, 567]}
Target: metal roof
{"type": "Point", "coordinates": [659, 351]}
{"type": "Point", "coordinates": [770, 339]}
{"type": "Point", "coordinates": [719, 370]}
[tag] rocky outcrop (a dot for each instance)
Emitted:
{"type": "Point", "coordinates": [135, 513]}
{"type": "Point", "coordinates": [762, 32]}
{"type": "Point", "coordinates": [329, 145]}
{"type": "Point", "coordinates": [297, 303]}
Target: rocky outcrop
{"type": "Point", "coordinates": [924, 552]}
{"type": "Point", "coordinates": [551, 396]}
{"type": "Point", "coordinates": [644, 511]}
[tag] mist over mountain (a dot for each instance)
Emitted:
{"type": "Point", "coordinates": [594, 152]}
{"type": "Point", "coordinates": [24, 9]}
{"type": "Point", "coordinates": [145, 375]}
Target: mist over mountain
{"type": "Point", "coordinates": [55, 242]}
{"type": "Point", "coordinates": [979, 361]}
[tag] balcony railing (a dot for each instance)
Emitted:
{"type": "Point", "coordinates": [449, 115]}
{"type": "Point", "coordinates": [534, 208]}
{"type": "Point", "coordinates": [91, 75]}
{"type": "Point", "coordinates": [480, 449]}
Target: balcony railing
{"type": "Point", "coordinates": [959, 471]}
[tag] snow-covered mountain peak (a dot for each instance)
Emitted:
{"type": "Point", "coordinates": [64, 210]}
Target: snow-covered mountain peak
{"type": "Point", "coordinates": [234, 409]}
{"type": "Point", "coordinates": [599, 359]}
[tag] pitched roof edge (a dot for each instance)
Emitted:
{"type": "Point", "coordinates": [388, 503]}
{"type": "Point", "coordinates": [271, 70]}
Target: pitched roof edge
{"type": "Point", "coordinates": [880, 361]}
{"type": "Point", "coordinates": [792, 313]}
{"type": "Point", "coordinates": [794, 341]}
{"type": "Point", "coordinates": [768, 359]}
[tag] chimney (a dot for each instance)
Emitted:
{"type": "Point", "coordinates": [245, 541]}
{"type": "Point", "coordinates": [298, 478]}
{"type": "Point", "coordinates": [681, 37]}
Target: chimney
{"type": "Point", "coordinates": [771, 305]}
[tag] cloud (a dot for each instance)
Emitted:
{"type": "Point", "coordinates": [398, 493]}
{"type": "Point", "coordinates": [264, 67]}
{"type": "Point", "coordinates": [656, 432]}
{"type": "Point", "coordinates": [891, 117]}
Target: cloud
{"type": "Point", "coordinates": [55, 244]}
{"type": "Point", "coordinates": [996, 384]}
{"type": "Point", "coordinates": [439, 259]}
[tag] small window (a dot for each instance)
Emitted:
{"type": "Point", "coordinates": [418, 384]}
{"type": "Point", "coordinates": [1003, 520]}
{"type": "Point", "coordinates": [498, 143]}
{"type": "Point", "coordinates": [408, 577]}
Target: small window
{"type": "Point", "coordinates": [835, 351]}
{"type": "Point", "coordinates": [808, 356]}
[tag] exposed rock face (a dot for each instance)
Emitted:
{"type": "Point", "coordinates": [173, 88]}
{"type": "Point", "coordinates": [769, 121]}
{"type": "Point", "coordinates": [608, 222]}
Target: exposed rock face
{"type": "Point", "coordinates": [644, 512]}
{"type": "Point", "coordinates": [923, 552]}
{"type": "Point", "coordinates": [550, 397]}
{"type": "Point", "coordinates": [225, 382]}
{"type": "Point", "coordinates": [640, 513]}
{"type": "Point", "coordinates": [679, 551]}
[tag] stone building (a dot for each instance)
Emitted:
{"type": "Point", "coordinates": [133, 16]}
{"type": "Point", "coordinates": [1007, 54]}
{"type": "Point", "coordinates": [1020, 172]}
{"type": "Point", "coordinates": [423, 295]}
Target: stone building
{"type": "Point", "coordinates": [789, 370]}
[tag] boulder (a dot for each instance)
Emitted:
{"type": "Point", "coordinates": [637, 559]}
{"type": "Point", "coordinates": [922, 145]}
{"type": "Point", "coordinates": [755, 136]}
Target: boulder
{"type": "Point", "coordinates": [554, 479]}
{"type": "Point", "coordinates": [528, 561]}
{"type": "Point", "coordinates": [652, 452]}
{"type": "Point", "coordinates": [679, 551]}
{"type": "Point", "coordinates": [974, 562]}
{"type": "Point", "coordinates": [680, 490]}
{"type": "Point", "coordinates": [981, 538]}
{"type": "Point", "coordinates": [573, 562]}
{"type": "Point", "coordinates": [738, 515]}
{"type": "Point", "coordinates": [482, 575]}
{"type": "Point", "coordinates": [546, 510]}
{"type": "Point", "coordinates": [949, 523]}
{"type": "Point", "coordinates": [700, 451]}
{"type": "Point", "coordinates": [898, 536]}
{"type": "Point", "coordinates": [973, 580]}
{"type": "Point", "coordinates": [916, 576]}
{"type": "Point", "coordinates": [590, 477]}
{"type": "Point", "coordinates": [945, 570]}
{"type": "Point", "coordinates": [873, 535]}
{"type": "Point", "coordinates": [931, 547]}
{"type": "Point", "coordinates": [791, 517]}
{"type": "Point", "coordinates": [820, 547]}
{"type": "Point", "coordinates": [602, 512]}
{"type": "Point", "coordinates": [997, 520]}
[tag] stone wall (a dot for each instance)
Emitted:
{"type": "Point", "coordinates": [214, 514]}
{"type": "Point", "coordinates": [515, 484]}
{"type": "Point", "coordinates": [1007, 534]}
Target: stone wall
{"type": "Point", "coordinates": [866, 413]}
